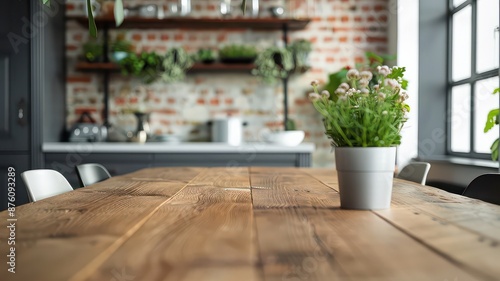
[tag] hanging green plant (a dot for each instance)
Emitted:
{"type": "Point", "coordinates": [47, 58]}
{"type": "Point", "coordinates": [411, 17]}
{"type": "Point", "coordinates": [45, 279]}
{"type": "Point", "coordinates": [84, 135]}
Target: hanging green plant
{"type": "Point", "coordinates": [300, 50]}
{"type": "Point", "coordinates": [175, 64]}
{"type": "Point", "coordinates": [273, 64]}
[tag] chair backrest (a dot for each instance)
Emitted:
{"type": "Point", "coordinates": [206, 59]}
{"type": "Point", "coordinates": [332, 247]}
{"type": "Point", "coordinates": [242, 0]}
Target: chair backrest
{"type": "Point", "coordinates": [415, 172]}
{"type": "Point", "coordinates": [485, 187]}
{"type": "Point", "coordinates": [91, 173]}
{"type": "Point", "coordinates": [45, 183]}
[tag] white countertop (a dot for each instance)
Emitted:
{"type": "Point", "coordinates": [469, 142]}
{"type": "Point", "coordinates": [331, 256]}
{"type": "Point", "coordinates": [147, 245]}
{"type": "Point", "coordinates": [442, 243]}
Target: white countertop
{"type": "Point", "coordinates": [187, 147]}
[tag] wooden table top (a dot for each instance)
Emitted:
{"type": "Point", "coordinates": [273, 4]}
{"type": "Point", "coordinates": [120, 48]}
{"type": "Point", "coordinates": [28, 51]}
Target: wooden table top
{"type": "Point", "coordinates": [257, 223]}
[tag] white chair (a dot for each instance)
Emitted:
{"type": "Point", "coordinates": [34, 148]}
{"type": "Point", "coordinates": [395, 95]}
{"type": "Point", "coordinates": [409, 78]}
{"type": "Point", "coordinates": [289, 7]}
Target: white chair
{"type": "Point", "coordinates": [415, 172]}
{"type": "Point", "coordinates": [91, 173]}
{"type": "Point", "coordinates": [43, 183]}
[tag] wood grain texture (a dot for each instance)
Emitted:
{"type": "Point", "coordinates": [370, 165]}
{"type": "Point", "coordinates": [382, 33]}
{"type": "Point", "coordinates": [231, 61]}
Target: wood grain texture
{"type": "Point", "coordinates": [257, 223]}
{"type": "Point", "coordinates": [204, 233]}
{"type": "Point", "coordinates": [59, 236]}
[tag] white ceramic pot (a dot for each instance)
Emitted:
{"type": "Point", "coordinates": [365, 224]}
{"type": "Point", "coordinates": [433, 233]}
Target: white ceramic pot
{"type": "Point", "coordinates": [365, 176]}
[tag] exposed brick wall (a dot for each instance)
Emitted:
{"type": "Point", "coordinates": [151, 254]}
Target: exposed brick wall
{"type": "Point", "coordinates": [341, 30]}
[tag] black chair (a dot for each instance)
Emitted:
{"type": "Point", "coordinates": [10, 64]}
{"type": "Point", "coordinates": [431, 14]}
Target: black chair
{"type": "Point", "coordinates": [91, 173]}
{"type": "Point", "coordinates": [485, 187]}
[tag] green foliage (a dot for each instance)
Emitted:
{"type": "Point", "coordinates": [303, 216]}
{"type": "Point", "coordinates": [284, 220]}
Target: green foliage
{"type": "Point", "coordinates": [237, 51]}
{"type": "Point", "coordinates": [492, 120]}
{"type": "Point", "coordinates": [300, 50]}
{"type": "Point", "coordinates": [358, 114]}
{"type": "Point", "coordinates": [121, 45]}
{"type": "Point", "coordinates": [290, 125]}
{"type": "Point", "coordinates": [149, 66]}
{"type": "Point", "coordinates": [92, 51]}
{"type": "Point", "coordinates": [273, 64]}
{"type": "Point", "coordinates": [206, 55]}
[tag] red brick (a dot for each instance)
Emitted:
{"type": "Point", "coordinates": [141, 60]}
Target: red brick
{"type": "Point", "coordinates": [164, 37]}
{"type": "Point", "coordinates": [71, 47]}
{"type": "Point", "coordinates": [343, 39]}
{"type": "Point", "coordinates": [70, 7]}
{"type": "Point", "coordinates": [137, 37]}
{"type": "Point", "coordinates": [168, 111]}
{"type": "Point", "coordinates": [221, 38]}
{"type": "Point", "coordinates": [228, 101]}
{"type": "Point", "coordinates": [328, 39]}
{"type": "Point", "coordinates": [357, 19]}
{"type": "Point", "coordinates": [77, 37]}
{"type": "Point", "coordinates": [133, 100]}
{"type": "Point", "coordinates": [78, 79]}
{"type": "Point", "coordinates": [179, 37]}
{"type": "Point", "coordinates": [370, 19]}
{"type": "Point", "coordinates": [214, 101]}
{"type": "Point", "coordinates": [302, 101]}
{"type": "Point", "coordinates": [376, 39]}
{"type": "Point", "coordinates": [331, 19]}
{"type": "Point", "coordinates": [366, 8]}
{"type": "Point", "coordinates": [357, 39]}
{"type": "Point", "coordinates": [330, 59]}
{"type": "Point", "coordinates": [359, 59]}
{"type": "Point", "coordinates": [165, 122]}
{"type": "Point", "coordinates": [379, 8]}
{"type": "Point", "coordinates": [219, 91]}
{"type": "Point", "coordinates": [151, 37]}
{"type": "Point", "coordinates": [211, 7]}
{"type": "Point", "coordinates": [171, 100]}
{"type": "Point", "coordinates": [344, 18]}
{"type": "Point", "coordinates": [200, 101]}
{"type": "Point", "coordinates": [119, 101]}
{"type": "Point", "coordinates": [382, 18]}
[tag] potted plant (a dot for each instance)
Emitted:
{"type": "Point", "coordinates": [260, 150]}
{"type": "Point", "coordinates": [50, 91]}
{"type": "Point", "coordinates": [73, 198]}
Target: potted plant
{"type": "Point", "coordinates": [92, 51]}
{"type": "Point", "coordinates": [492, 120]}
{"type": "Point", "coordinates": [175, 64]}
{"type": "Point", "coordinates": [237, 53]}
{"type": "Point", "coordinates": [120, 48]}
{"type": "Point", "coordinates": [363, 118]}
{"type": "Point", "coordinates": [206, 56]}
{"type": "Point", "coordinates": [300, 50]}
{"type": "Point", "coordinates": [273, 64]}
{"type": "Point", "coordinates": [146, 66]}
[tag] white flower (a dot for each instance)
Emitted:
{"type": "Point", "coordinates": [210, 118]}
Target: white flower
{"type": "Point", "coordinates": [381, 96]}
{"type": "Point", "coordinates": [344, 86]}
{"type": "Point", "coordinates": [363, 83]}
{"type": "Point", "coordinates": [384, 112]}
{"type": "Point", "coordinates": [383, 70]}
{"type": "Point", "coordinates": [365, 92]}
{"type": "Point", "coordinates": [314, 97]}
{"type": "Point", "coordinates": [315, 83]}
{"type": "Point", "coordinates": [392, 83]}
{"type": "Point", "coordinates": [351, 92]}
{"type": "Point", "coordinates": [325, 94]}
{"type": "Point", "coordinates": [403, 96]}
{"type": "Point", "coordinates": [340, 91]}
{"type": "Point", "coordinates": [376, 87]}
{"type": "Point", "coordinates": [352, 74]}
{"type": "Point", "coordinates": [343, 98]}
{"type": "Point", "coordinates": [366, 75]}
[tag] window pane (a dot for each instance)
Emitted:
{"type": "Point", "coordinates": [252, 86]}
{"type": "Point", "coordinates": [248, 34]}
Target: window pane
{"type": "Point", "coordinates": [487, 36]}
{"type": "Point", "coordinates": [484, 101]}
{"type": "Point", "coordinates": [457, 3]}
{"type": "Point", "coordinates": [461, 57]}
{"type": "Point", "coordinates": [460, 118]}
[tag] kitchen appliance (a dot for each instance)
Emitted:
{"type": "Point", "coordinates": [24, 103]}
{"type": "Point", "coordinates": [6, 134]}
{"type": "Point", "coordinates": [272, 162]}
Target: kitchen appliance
{"type": "Point", "coordinates": [85, 130]}
{"type": "Point", "coordinates": [228, 130]}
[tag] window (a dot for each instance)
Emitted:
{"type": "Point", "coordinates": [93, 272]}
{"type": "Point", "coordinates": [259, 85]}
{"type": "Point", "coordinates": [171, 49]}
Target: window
{"type": "Point", "coordinates": [472, 75]}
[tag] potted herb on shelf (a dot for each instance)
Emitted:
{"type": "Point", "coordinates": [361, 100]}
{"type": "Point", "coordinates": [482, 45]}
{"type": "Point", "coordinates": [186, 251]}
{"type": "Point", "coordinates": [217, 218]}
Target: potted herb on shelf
{"type": "Point", "coordinates": [175, 64]}
{"type": "Point", "coordinates": [206, 56]}
{"type": "Point", "coordinates": [300, 50]}
{"type": "Point", "coordinates": [146, 66]}
{"type": "Point", "coordinates": [92, 51]}
{"type": "Point", "coordinates": [237, 53]}
{"type": "Point", "coordinates": [120, 48]}
{"type": "Point", "coordinates": [273, 64]}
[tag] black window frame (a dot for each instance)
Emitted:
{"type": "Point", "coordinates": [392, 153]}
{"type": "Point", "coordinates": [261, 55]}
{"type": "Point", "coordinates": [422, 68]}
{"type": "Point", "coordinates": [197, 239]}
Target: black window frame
{"type": "Point", "coordinates": [471, 80]}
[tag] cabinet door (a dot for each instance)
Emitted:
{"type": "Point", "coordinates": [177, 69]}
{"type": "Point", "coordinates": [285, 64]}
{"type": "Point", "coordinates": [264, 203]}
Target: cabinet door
{"type": "Point", "coordinates": [15, 31]}
{"type": "Point", "coordinates": [20, 164]}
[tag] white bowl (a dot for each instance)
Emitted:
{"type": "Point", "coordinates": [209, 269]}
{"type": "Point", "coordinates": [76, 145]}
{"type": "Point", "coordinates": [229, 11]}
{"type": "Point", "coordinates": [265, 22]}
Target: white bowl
{"type": "Point", "coordinates": [287, 138]}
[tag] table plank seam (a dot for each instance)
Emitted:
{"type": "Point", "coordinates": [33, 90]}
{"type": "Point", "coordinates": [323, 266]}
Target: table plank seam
{"type": "Point", "coordinates": [93, 265]}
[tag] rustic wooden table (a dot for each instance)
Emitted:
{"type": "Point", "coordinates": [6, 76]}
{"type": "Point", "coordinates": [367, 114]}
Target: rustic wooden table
{"type": "Point", "coordinates": [249, 224]}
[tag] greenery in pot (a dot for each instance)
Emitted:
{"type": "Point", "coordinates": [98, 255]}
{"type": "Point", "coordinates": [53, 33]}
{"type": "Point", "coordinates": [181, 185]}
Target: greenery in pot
{"type": "Point", "coordinates": [492, 120]}
{"type": "Point", "coordinates": [206, 55]}
{"type": "Point", "coordinates": [369, 110]}
{"type": "Point", "coordinates": [273, 64]}
{"type": "Point", "coordinates": [147, 66]}
{"type": "Point", "coordinates": [175, 64]}
{"type": "Point", "coordinates": [300, 50]}
{"type": "Point", "coordinates": [120, 48]}
{"type": "Point", "coordinates": [92, 51]}
{"type": "Point", "coordinates": [238, 53]}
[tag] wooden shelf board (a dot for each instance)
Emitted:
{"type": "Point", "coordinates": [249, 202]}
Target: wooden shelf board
{"type": "Point", "coordinates": [197, 67]}
{"type": "Point", "coordinates": [199, 23]}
